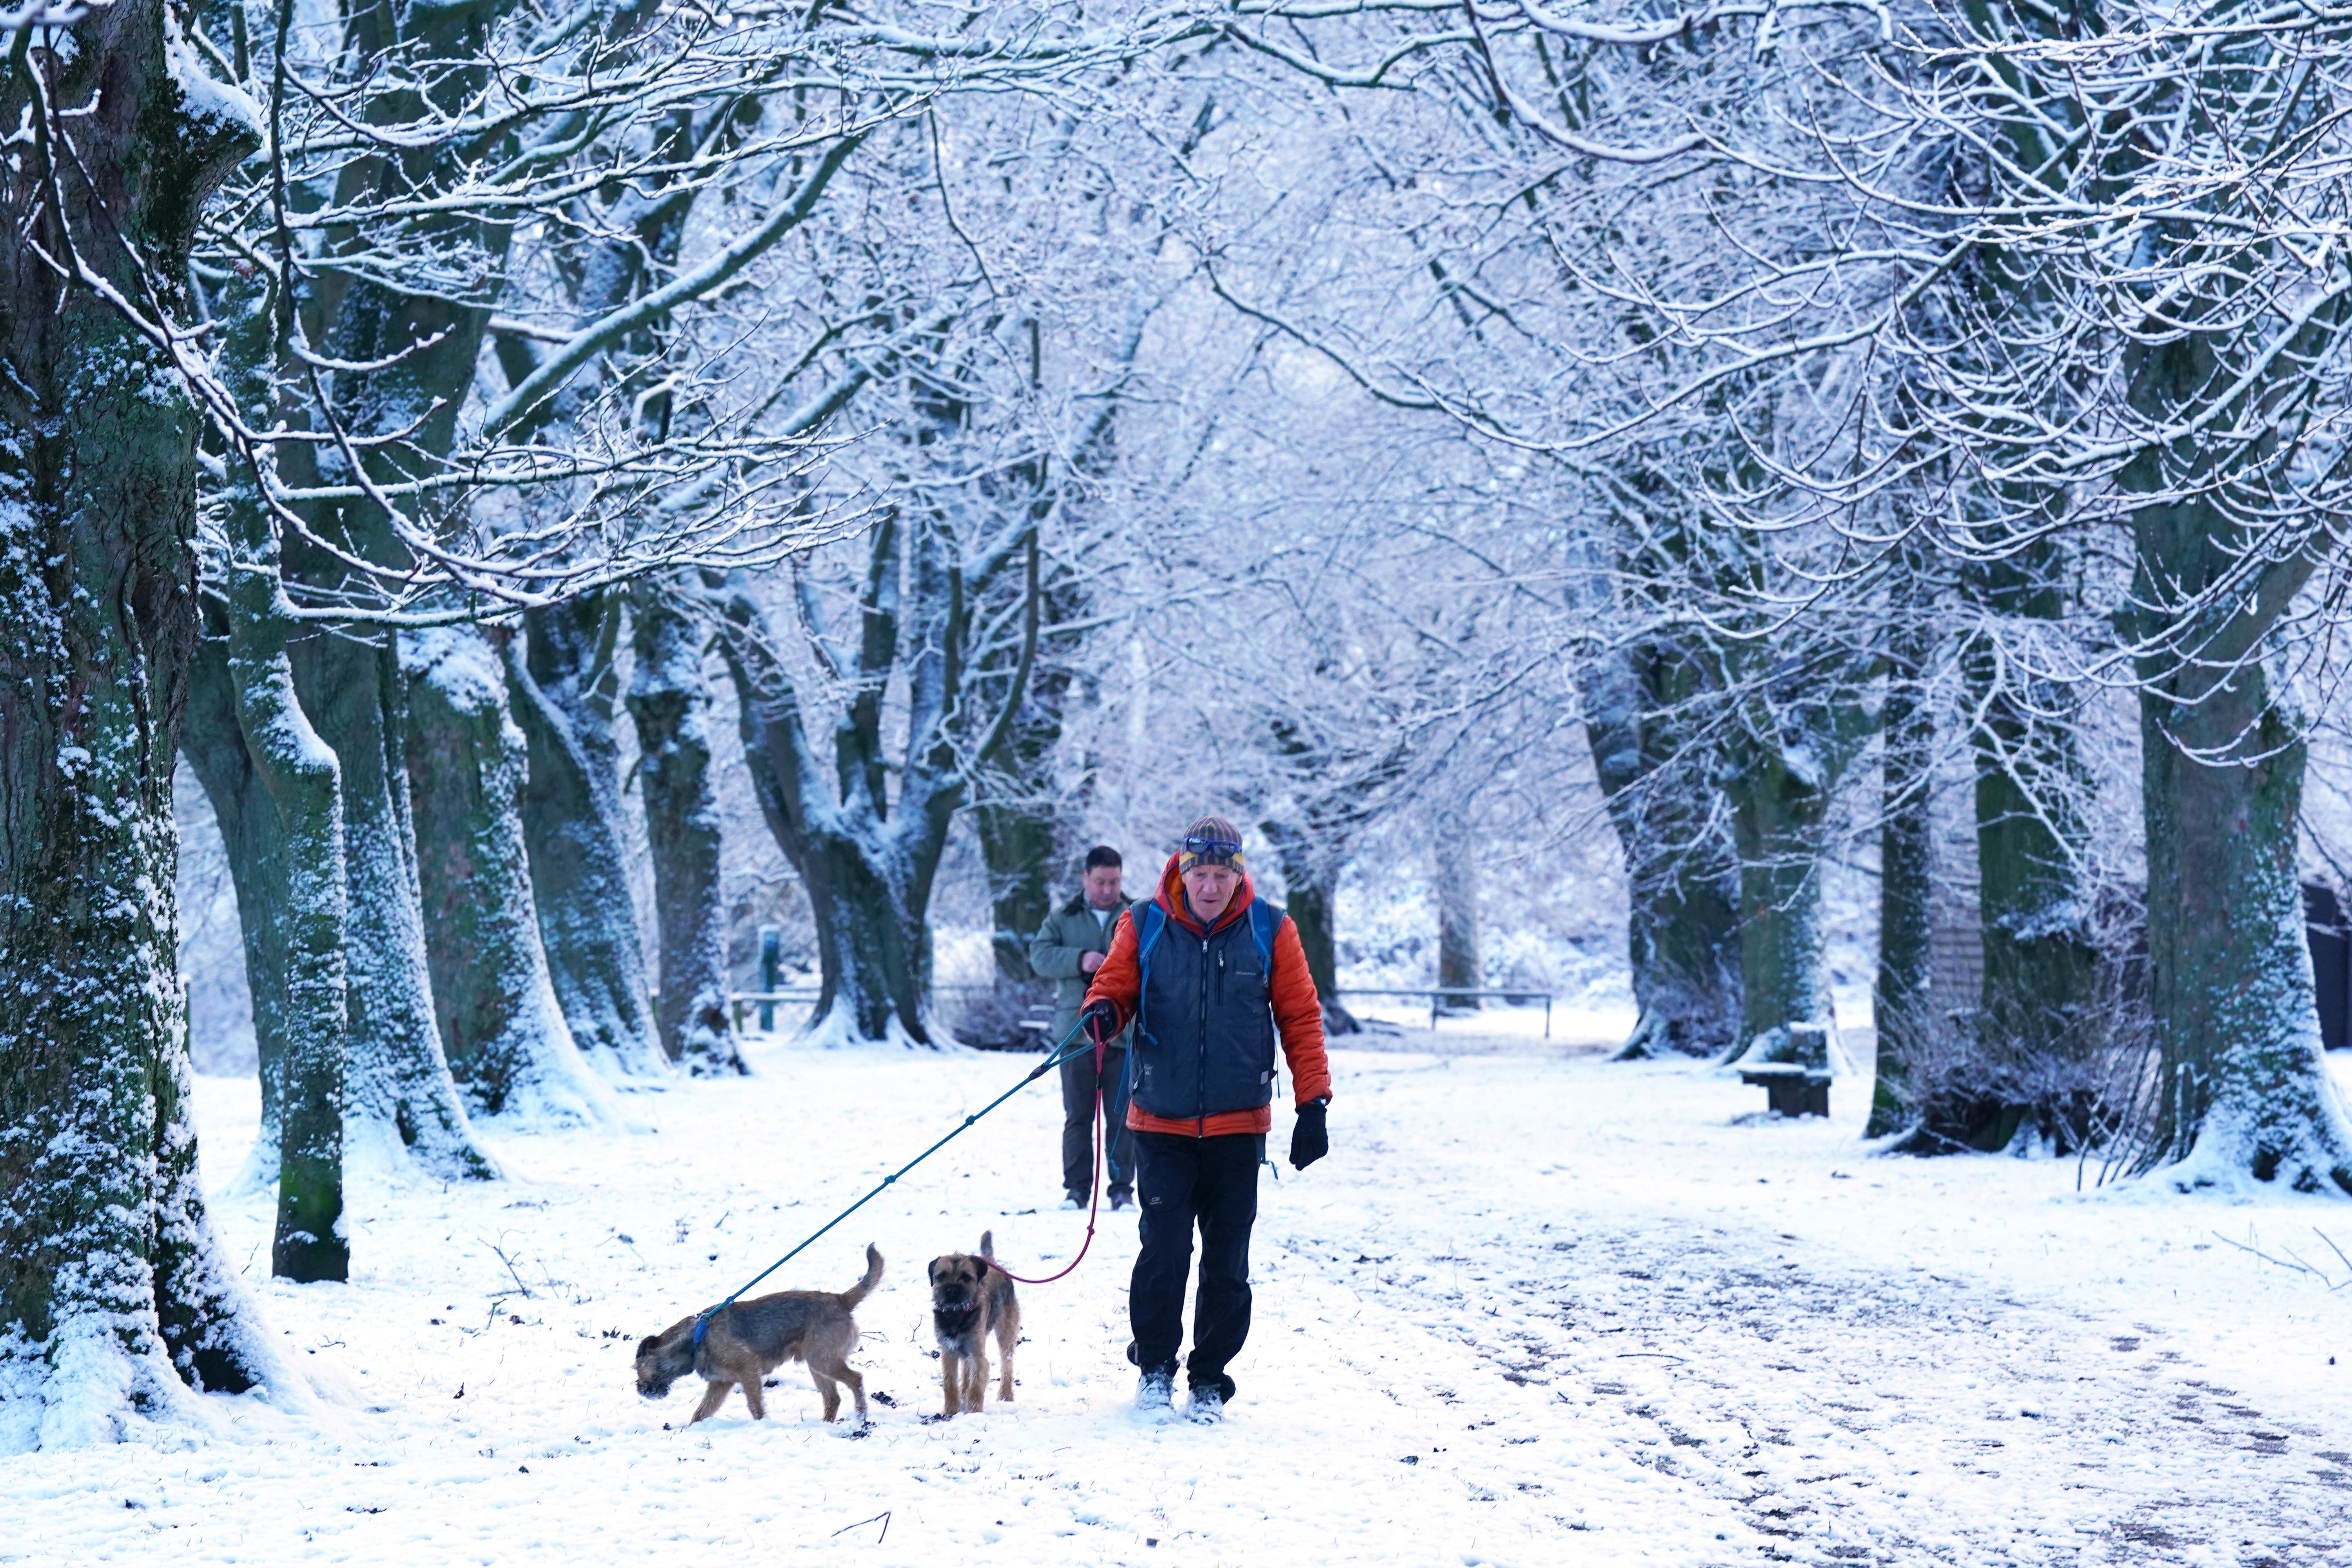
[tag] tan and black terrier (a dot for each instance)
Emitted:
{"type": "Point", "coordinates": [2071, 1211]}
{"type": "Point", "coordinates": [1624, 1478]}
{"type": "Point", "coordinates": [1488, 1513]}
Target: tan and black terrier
{"type": "Point", "coordinates": [748, 1340]}
{"type": "Point", "coordinates": [971, 1299]}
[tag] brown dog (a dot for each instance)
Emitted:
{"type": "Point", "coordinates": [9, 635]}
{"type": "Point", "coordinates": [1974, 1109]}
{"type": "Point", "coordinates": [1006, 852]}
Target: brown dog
{"type": "Point", "coordinates": [971, 1299]}
{"type": "Point", "coordinates": [748, 1340]}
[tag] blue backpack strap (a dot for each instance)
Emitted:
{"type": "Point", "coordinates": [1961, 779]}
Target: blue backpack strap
{"type": "Point", "coordinates": [1151, 920]}
{"type": "Point", "coordinates": [1265, 920]}
{"type": "Point", "coordinates": [1148, 924]}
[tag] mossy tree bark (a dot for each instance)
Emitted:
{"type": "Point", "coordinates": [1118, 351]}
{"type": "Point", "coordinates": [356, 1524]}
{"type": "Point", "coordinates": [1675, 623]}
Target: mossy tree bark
{"type": "Point", "coordinates": [2243, 1091]}
{"type": "Point", "coordinates": [401, 1106]}
{"type": "Point", "coordinates": [1308, 889]}
{"type": "Point", "coordinates": [669, 698]}
{"type": "Point", "coordinates": [501, 1030]}
{"type": "Point", "coordinates": [251, 749]}
{"type": "Point", "coordinates": [2029, 1055]}
{"type": "Point", "coordinates": [287, 857]}
{"type": "Point", "coordinates": [297, 771]}
{"type": "Point", "coordinates": [1779, 806]}
{"type": "Point", "coordinates": [1906, 868]}
{"type": "Point", "coordinates": [1022, 813]}
{"type": "Point", "coordinates": [112, 1295]}
{"type": "Point", "coordinates": [1793, 731]}
{"type": "Point", "coordinates": [1019, 844]}
{"type": "Point", "coordinates": [562, 677]}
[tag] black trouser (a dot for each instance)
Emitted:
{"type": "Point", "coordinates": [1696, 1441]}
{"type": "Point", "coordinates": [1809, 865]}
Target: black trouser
{"type": "Point", "coordinates": [1078, 1124]}
{"type": "Point", "coordinates": [1182, 1180]}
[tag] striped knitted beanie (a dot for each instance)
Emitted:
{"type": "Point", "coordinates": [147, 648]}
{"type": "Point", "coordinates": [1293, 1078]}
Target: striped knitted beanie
{"type": "Point", "coordinates": [1206, 843]}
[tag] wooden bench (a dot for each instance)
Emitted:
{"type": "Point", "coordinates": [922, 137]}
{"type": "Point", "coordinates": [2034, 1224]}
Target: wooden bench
{"type": "Point", "coordinates": [1791, 1089]}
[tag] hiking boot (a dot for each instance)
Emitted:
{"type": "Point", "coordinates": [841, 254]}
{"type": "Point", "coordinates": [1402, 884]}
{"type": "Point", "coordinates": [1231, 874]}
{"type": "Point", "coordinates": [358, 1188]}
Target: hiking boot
{"type": "Point", "coordinates": [1075, 1201]}
{"type": "Point", "coordinates": [1156, 1390]}
{"type": "Point", "coordinates": [1209, 1399]}
{"type": "Point", "coordinates": [1122, 1198]}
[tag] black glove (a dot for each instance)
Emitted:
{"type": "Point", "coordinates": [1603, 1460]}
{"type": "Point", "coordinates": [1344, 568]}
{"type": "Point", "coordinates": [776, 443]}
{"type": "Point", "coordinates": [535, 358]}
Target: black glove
{"type": "Point", "coordinates": [1309, 1141]}
{"type": "Point", "coordinates": [1099, 1021]}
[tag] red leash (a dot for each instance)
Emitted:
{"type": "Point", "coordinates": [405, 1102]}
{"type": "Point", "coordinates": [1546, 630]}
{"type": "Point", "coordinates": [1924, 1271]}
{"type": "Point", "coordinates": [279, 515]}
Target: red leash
{"type": "Point", "coordinates": [1093, 1201]}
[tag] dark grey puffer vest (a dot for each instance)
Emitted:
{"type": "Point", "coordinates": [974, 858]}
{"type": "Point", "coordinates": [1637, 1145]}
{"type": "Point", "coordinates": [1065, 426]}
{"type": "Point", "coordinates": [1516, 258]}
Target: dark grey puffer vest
{"type": "Point", "coordinates": [1204, 1036]}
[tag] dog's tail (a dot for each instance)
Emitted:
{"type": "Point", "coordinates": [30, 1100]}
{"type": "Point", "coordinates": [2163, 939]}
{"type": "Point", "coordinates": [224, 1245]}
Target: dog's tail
{"type": "Point", "coordinates": [864, 1288]}
{"type": "Point", "coordinates": [988, 1244]}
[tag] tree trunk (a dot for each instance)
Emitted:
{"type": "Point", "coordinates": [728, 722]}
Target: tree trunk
{"type": "Point", "coordinates": [1779, 805]}
{"type": "Point", "coordinates": [214, 744]}
{"type": "Point", "coordinates": [1682, 937]}
{"type": "Point", "coordinates": [1309, 890]}
{"type": "Point", "coordinates": [112, 1294]}
{"type": "Point", "coordinates": [1018, 844]}
{"type": "Point", "coordinates": [867, 858]}
{"type": "Point", "coordinates": [500, 1028]}
{"type": "Point", "coordinates": [2034, 1042]}
{"type": "Point", "coordinates": [877, 980]}
{"type": "Point", "coordinates": [401, 1107]}
{"type": "Point", "coordinates": [1906, 868]}
{"type": "Point", "coordinates": [299, 771]}
{"type": "Point", "coordinates": [260, 762]}
{"type": "Point", "coordinates": [2244, 1092]}
{"type": "Point", "coordinates": [562, 684]}
{"type": "Point", "coordinates": [1456, 881]}
{"type": "Point", "coordinates": [2243, 1087]}
{"type": "Point", "coordinates": [874, 946]}
{"type": "Point", "coordinates": [669, 698]}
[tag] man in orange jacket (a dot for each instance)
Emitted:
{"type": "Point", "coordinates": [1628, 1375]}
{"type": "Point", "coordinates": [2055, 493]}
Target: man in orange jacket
{"type": "Point", "coordinates": [1210, 976]}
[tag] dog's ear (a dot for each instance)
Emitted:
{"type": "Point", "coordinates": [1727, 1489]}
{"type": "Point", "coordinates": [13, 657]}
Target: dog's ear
{"type": "Point", "coordinates": [934, 1270]}
{"type": "Point", "coordinates": [649, 1344]}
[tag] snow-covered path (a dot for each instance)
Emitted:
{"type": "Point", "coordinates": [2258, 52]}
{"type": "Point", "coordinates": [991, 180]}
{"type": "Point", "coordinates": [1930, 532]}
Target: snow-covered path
{"type": "Point", "coordinates": [1533, 1309]}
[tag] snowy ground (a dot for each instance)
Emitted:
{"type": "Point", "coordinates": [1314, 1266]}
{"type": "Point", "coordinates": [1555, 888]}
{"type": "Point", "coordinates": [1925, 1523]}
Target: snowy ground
{"type": "Point", "coordinates": [1534, 1308]}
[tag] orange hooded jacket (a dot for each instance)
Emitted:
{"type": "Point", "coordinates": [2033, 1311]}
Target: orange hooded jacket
{"type": "Point", "coordinates": [1297, 1010]}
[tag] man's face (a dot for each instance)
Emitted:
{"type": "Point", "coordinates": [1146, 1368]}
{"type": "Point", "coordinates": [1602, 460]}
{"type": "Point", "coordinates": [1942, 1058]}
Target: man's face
{"type": "Point", "coordinates": [1102, 886]}
{"type": "Point", "coordinates": [1210, 888]}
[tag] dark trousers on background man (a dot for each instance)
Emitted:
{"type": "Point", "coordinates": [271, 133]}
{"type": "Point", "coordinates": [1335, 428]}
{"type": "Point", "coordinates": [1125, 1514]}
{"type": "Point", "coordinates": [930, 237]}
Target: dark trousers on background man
{"type": "Point", "coordinates": [1181, 1182]}
{"type": "Point", "coordinates": [1078, 1124]}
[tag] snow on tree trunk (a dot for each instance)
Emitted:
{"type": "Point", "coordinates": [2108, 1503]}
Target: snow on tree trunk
{"type": "Point", "coordinates": [2245, 1091]}
{"type": "Point", "coordinates": [561, 682]}
{"type": "Point", "coordinates": [262, 765]}
{"type": "Point", "coordinates": [297, 802]}
{"type": "Point", "coordinates": [401, 1107]}
{"type": "Point", "coordinates": [299, 771]}
{"type": "Point", "coordinates": [669, 698]}
{"type": "Point", "coordinates": [1456, 853]}
{"type": "Point", "coordinates": [113, 1299]}
{"type": "Point", "coordinates": [503, 1034]}
{"type": "Point", "coordinates": [1682, 937]}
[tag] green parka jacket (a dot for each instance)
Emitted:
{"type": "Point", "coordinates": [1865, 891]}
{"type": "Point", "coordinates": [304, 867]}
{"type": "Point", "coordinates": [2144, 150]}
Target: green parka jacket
{"type": "Point", "coordinates": [1068, 932]}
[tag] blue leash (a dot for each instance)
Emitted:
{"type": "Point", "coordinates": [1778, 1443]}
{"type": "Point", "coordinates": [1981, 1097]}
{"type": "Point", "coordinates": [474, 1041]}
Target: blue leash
{"type": "Point", "coordinates": [1061, 1053]}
